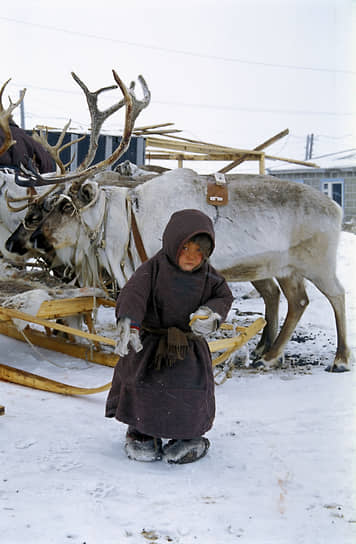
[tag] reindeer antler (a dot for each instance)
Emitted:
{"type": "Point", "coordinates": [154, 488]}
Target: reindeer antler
{"type": "Point", "coordinates": [5, 115]}
{"type": "Point", "coordinates": [133, 109]}
{"type": "Point", "coordinates": [56, 150]}
{"type": "Point", "coordinates": [139, 105]}
{"type": "Point", "coordinates": [97, 117]}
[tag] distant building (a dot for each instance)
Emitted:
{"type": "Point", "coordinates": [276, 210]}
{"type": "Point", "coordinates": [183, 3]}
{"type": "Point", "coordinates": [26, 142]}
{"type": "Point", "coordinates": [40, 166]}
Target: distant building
{"type": "Point", "coordinates": [335, 177]}
{"type": "Point", "coordinates": [106, 145]}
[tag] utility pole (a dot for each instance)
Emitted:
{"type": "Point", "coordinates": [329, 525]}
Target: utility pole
{"type": "Point", "coordinates": [309, 147]}
{"type": "Point", "coordinates": [22, 113]}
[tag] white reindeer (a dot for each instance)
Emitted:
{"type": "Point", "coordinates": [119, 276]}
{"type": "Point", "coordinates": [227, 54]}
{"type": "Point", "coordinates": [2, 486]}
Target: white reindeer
{"type": "Point", "coordinates": [271, 233]}
{"type": "Point", "coordinates": [271, 230]}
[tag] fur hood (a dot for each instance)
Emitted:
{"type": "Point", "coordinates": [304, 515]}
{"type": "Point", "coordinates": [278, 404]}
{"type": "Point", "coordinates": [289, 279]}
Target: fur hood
{"type": "Point", "coordinates": [182, 226]}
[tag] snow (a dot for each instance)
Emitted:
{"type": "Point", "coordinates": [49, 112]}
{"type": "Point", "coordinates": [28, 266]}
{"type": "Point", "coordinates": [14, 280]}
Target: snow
{"type": "Point", "coordinates": [279, 469]}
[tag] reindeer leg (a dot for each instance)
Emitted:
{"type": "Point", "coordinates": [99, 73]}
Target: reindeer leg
{"type": "Point", "coordinates": [269, 291]}
{"type": "Point", "coordinates": [294, 290]}
{"type": "Point", "coordinates": [335, 293]}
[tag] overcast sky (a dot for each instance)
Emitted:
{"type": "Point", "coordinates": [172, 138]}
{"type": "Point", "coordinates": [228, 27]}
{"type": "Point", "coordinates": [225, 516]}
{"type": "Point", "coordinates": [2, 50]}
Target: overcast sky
{"type": "Point", "coordinates": [232, 72]}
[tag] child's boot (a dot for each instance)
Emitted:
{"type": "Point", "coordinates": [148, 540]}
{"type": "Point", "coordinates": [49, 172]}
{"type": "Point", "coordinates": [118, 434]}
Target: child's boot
{"type": "Point", "coordinates": [181, 452]}
{"type": "Point", "coordinates": [142, 447]}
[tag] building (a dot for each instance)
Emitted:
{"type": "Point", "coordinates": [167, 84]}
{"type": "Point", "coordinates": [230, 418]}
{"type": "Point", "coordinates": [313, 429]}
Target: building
{"type": "Point", "coordinates": [106, 145]}
{"type": "Point", "coordinates": [335, 177]}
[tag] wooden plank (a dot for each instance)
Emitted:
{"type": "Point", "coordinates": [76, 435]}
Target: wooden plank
{"type": "Point", "coordinates": [260, 147]}
{"type": "Point", "coordinates": [105, 302]}
{"type": "Point", "coordinates": [222, 157]}
{"type": "Point", "coordinates": [201, 142]}
{"type": "Point", "coordinates": [79, 351]}
{"type": "Point", "coordinates": [168, 131]}
{"type": "Point", "coordinates": [293, 161]}
{"type": "Point", "coordinates": [64, 307]}
{"type": "Point", "coordinates": [6, 313]}
{"type": "Point", "coordinates": [262, 169]}
{"type": "Point", "coordinates": [70, 306]}
{"type": "Point", "coordinates": [197, 148]}
{"type": "Point", "coordinates": [148, 127]}
{"type": "Point", "coordinates": [187, 157]}
{"type": "Point", "coordinates": [237, 341]}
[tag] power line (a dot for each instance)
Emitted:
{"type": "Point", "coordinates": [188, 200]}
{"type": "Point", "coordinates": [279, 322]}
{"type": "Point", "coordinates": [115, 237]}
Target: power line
{"type": "Point", "coordinates": [253, 110]}
{"type": "Point", "coordinates": [249, 109]}
{"type": "Point", "coordinates": [177, 51]}
{"type": "Point", "coordinates": [328, 137]}
{"type": "Point", "coordinates": [352, 150]}
{"type": "Point", "coordinates": [210, 106]}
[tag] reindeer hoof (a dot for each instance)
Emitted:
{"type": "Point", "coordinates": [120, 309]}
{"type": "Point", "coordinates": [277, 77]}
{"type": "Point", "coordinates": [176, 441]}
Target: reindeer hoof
{"type": "Point", "coordinates": [259, 363]}
{"type": "Point", "coordinates": [337, 368]}
{"type": "Point", "coordinates": [267, 365]}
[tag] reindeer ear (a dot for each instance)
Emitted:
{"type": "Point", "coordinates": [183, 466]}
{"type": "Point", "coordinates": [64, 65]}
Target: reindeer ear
{"type": "Point", "coordinates": [88, 192]}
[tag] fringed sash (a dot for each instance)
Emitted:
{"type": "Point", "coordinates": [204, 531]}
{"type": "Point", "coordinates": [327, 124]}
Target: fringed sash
{"type": "Point", "coordinates": [172, 346]}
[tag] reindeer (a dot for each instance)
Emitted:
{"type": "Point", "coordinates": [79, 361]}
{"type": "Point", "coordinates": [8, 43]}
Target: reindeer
{"type": "Point", "coordinates": [14, 231]}
{"type": "Point", "coordinates": [272, 233]}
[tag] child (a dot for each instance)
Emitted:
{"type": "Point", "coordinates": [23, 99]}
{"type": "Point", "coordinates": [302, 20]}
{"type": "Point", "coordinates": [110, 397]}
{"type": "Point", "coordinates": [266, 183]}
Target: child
{"type": "Point", "coordinates": [163, 385]}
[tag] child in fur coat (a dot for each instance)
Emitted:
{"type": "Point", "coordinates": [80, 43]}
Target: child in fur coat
{"type": "Point", "coordinates": [163, 385]}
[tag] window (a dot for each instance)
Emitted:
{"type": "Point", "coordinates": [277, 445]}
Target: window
{"type": "Point", "coordinates": [334, 189]}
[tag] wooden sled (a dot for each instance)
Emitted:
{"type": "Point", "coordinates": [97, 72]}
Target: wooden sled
{"type": "Point", "coordinates": [244, 334]}
{"type": "Point", "coordinates": [53, 309]}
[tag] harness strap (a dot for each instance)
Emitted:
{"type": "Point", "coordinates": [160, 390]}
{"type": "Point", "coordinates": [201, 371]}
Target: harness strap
{"type": "Point", "coordinates": [138, 239]}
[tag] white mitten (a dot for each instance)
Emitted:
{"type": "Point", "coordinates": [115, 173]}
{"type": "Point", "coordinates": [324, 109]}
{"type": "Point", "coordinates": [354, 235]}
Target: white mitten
{"type": "Point", "coordinates": [208, 324]}
{"type": "Point", "coordinates": [125, 336]}
{"type": "Point", "coordinates": [135, 339]}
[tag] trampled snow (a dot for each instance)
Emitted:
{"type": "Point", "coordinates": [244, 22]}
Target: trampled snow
{"type": "Point", "coordinates": [280, 468]}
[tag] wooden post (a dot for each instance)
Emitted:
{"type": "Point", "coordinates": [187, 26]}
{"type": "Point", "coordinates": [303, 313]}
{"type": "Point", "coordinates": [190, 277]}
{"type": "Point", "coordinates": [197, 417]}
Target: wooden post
{"type": "Point", "coordinates": [260, 147]}
{"type": "Point", "coordinates": [262, 165]}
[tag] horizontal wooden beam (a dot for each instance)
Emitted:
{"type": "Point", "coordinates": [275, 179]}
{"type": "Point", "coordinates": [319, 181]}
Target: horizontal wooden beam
{"type": "Point", "coordinates": [149, 127]}
{"type": "Point", "coordinates": [260, 147]}
{"type": "Point", "coordinates": [9, 313]}
{"type": "Point", "coordinates": [62, 307]}
{"type": "Point", "coordinates": [157, 132]}
{"type": "Point", "coordinates": [58, 344]}
{"type": "Point", "coordinates": [164, 143]}
{"type": "Point", "coordinates": [188, 157]}
{"type": "Point", "coordinates": [293, 161]}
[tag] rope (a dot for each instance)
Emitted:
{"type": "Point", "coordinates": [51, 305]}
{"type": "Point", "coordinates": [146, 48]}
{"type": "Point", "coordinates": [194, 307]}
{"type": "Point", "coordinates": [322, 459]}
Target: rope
{"type": "Point", "coordinates": [36, 350]}
{"type": "Point", "coordinates": [127, 243]}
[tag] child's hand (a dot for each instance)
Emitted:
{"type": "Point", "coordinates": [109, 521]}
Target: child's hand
{"type": "Point", "coordinates": [204, 321]}
{"type": "Point", "coordinates": [127, 335]}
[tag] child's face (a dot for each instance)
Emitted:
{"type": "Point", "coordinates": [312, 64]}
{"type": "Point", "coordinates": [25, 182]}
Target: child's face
{"type": "Point", "coordinates": [190, 257]}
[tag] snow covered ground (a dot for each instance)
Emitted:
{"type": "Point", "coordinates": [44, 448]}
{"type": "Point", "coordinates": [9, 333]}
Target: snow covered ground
{"type": "Point", "coordinates": [280, 468]}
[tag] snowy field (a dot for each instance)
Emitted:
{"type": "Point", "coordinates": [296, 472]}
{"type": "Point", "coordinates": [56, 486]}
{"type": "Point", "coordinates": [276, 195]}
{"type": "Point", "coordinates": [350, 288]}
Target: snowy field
{"type": "Point", "coordinates": [280, 469]}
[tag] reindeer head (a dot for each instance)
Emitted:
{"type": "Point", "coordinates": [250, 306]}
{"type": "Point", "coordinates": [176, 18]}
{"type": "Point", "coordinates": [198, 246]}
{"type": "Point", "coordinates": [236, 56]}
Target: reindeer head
{"type": "Point", "coordinates": [53, 222]}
